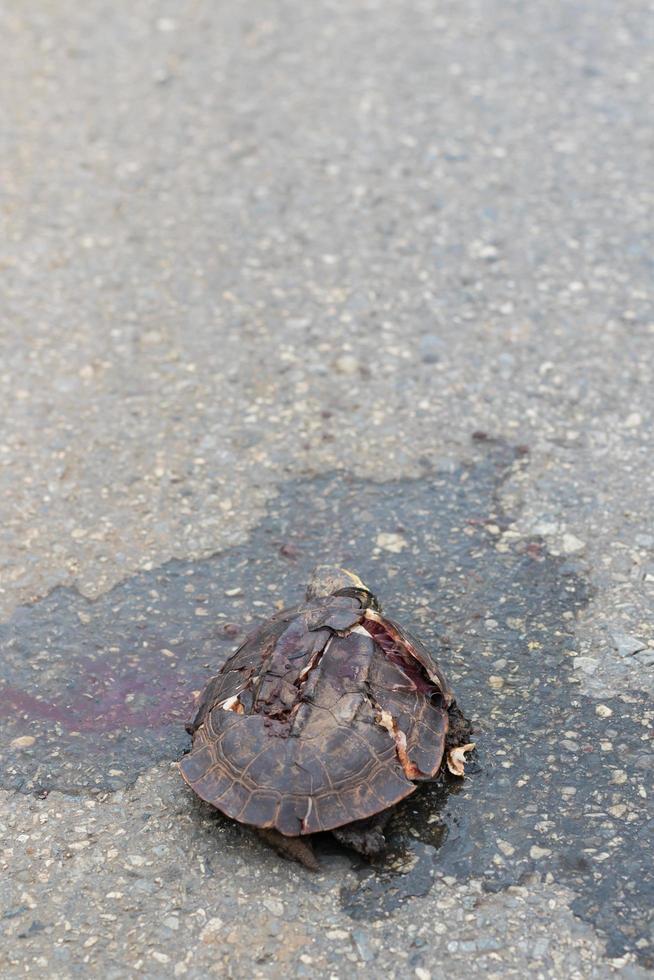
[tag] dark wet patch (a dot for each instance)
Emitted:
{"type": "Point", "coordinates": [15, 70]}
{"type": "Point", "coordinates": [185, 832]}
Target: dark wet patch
{"type": "Point", "coordinates": [104, 688]}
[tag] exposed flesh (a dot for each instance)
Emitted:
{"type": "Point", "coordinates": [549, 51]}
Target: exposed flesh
{"type": "Point", "coordinates": [387, 721]}
{"type": "Point", "coordinates": [456, 759]}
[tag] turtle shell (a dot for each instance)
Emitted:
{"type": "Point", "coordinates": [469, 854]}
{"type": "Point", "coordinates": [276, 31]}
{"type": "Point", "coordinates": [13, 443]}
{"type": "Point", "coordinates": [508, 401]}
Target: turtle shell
{"type": "Point", "coordinates": [328, 714]}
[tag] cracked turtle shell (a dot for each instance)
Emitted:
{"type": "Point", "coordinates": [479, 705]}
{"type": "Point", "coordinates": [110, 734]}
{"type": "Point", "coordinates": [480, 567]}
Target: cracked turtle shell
{"type": "Point", "coordinates": [328, 714]}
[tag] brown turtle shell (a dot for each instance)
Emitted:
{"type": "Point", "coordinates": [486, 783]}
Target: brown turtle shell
{"type": "Point", "coordinates": [329, 713]}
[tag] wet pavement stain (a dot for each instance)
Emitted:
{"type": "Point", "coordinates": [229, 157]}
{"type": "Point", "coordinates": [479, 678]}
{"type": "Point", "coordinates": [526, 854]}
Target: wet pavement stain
{"type": "Point", "coordinates": [93, 693]}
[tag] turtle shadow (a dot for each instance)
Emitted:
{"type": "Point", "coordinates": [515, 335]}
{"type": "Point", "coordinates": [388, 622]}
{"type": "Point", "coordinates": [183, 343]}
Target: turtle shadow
{"type": "Point", "coordinates": [418, 829]}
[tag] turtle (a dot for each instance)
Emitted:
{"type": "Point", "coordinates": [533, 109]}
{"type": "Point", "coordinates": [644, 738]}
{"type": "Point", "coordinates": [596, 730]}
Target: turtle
{"type": "Point", "coordinates": [324, 719]}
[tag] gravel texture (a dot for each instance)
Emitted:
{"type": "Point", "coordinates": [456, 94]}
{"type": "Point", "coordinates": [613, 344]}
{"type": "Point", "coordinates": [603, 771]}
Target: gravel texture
{"type": "Point", "coordinates": [277, 279]}
{"type": "Point", "coordinates": [142, 883]}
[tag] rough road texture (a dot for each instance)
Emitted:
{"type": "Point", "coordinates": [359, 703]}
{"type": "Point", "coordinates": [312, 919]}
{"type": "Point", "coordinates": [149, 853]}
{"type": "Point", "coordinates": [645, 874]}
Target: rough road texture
{"type": "Point", "coordinates": [264, 271]}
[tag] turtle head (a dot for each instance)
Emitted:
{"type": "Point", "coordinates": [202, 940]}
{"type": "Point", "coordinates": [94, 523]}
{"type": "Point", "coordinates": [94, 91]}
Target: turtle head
{"type": "Point", "coordinates": [333, 580]}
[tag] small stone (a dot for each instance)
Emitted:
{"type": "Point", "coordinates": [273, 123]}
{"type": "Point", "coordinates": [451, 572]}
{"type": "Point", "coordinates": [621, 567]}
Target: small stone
{"type": "Point", "coordinates": [346, 364]}
{"type": "Point", "coordinates": [625, 644]}
{"type": "Point", "coordinates": [545, 529]}
{"type": "Point", "coordinates": [362, 946]}
{"type": "Point", "coordinates": [633, 420]}
{"type": "Point", "coordinates": [22, 742]}
{"type": "Point", "coordinates": [619, 777]}
{"type": "Point", "coordinates": [391, 542]}
{"type": "Point", "coordinates": [430, 348]}
{"type": "Point", "coordinates": [274, 906]}
{"type": "Point", "coordinates": [536, 852]}
{"type": "Point", "coordinates": [645, 657]}
{"type": "Point", "coordinates": [160, 957]}
{"type": "Point", "coordinates": [212, 931]}
{"type": "Point", "coordinates": [603, 711]}
{"type": "Point", "coordinates": [572, 544]}
{"type": "Point", "coordinates": [506, 848]}
{"type": "Point", "coordinates": [618, 810]}
{"type": "Point", "coordinates": [422, 974]}
{"type": "Point", "coordinates": [496, 682]}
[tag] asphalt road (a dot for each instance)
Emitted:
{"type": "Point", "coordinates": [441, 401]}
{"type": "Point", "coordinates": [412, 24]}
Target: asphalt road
{"type": "Point", "coordinates": [281, 282]}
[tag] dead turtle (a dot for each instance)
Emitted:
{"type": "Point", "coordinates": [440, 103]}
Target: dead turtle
{"type": "Point", "coordinates": [327, 716]}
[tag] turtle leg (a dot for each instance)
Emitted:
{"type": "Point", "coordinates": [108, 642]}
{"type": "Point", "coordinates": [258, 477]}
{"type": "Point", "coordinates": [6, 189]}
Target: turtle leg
{"type": "Point", "coordinates": [460, 728]}
{"type": "Point", "coordinates": [366, 837]}
{"type": "Point", "coordinates": [293, 848]}
{"type": "Point", "coordinates": [457, 741]}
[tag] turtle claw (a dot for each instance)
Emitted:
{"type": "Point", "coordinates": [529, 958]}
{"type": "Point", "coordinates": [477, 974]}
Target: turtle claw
{"type": "Point", "coordinates": [292, 848]}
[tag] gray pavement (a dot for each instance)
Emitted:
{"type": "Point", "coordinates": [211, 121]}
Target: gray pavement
{"type": "Point", "coordinates": [280, 281]}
